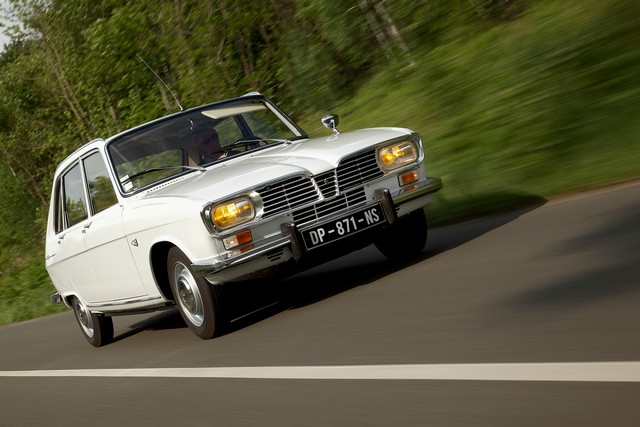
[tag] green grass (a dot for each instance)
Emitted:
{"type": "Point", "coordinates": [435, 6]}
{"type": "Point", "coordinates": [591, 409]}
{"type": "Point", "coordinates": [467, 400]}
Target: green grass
{"type": "Point", "coordinates": [547, 104]}
{"type": "Point", "coordinates": [25, 286]}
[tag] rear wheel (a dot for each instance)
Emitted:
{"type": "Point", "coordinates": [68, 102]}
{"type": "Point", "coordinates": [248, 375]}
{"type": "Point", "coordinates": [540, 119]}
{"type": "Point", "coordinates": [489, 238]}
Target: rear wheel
{"type": "Point", "coordinates": [96, 328]}
{"type": "Point", "coordinates": [405, 238]}
{"type": "Point", "coordinates": [198, 301]}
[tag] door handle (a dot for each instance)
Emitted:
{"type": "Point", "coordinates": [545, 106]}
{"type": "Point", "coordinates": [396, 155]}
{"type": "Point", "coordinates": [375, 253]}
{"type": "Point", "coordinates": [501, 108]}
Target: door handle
{"type": "Point", "coordinates": [86, 227]}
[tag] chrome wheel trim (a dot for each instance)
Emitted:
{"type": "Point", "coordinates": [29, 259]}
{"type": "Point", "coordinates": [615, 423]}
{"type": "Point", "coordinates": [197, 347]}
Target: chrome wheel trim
{"type": "Point", "coordinates": [188, 294]}
{"type": "Point", "coordinates": [84, 317]}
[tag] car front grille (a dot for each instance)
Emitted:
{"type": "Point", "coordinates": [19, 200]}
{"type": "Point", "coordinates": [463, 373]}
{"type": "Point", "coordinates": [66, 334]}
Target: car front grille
{"type": "Point", "coordinates": [286, 195]}
{"type": "Point", "coordinates": [335, 186]}
{"type": "Point", "coordinates": [358, 169]}
{"type": "Point", "coordinates": [327, 208]}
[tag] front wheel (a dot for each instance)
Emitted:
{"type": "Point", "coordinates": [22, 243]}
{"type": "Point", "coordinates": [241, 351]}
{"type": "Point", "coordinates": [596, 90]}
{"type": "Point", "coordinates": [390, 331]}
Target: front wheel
{"type": "Point", "coordinates": [199, 302]}
{"type": "Point", "coordinates": [96, 328]}
{"type": "Point", "coordinates": [405, 238]}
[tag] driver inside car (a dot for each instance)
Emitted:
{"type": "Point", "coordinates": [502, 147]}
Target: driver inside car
{"type": "Point", "coordinates": [209, 146]}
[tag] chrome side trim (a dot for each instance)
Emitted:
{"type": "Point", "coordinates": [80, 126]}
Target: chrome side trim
{"type": "Point", "coordinates": [124, 302]}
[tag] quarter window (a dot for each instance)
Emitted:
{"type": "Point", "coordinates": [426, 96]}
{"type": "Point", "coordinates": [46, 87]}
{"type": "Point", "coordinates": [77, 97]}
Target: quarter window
{"type": "Point", "coordinates": [59, 200]}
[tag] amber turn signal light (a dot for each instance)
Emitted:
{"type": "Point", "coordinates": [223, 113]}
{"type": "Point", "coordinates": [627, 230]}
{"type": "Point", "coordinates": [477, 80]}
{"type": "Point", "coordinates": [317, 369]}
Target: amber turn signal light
{"type": "Point", "coordinates": [236, 240]}
{"type": "Point", "coordinates": [408, 177]}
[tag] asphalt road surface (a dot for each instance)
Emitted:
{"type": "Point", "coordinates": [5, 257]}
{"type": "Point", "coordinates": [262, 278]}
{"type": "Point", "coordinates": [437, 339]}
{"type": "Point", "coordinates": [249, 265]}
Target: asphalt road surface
{"type": "Point", "coordinates": [531, 318]}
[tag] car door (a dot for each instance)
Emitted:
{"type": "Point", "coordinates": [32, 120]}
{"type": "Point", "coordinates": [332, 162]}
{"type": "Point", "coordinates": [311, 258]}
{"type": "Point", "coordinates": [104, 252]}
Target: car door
{"type": "Point", "coordinates": [92, 255]}
{"type": "Point", "coordinates": [106, 245]}
{"type": "Point", "coordinates": [71, 260]}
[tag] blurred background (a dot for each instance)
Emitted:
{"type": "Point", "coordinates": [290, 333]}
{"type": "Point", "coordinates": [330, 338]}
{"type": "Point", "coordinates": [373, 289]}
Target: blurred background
{"type": "Point", "coordinates": [516, 100]}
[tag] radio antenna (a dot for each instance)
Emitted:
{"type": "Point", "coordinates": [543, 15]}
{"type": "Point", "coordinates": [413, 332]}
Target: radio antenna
{"type": "Point", "coordinates": [161, 81]}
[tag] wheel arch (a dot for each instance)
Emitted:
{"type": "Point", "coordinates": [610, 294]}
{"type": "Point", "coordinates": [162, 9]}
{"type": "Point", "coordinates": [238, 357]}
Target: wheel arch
{"type": "Point", "coordinates": [158, 258]}
{"type": "Point", "coordinates": [68, 300]}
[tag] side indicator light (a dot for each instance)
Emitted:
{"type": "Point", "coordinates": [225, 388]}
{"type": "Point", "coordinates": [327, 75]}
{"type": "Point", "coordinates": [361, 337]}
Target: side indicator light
{"type": "Point", "coordinates": [408, 177]}
{"type": "Point", "coordinates": [238, 239]}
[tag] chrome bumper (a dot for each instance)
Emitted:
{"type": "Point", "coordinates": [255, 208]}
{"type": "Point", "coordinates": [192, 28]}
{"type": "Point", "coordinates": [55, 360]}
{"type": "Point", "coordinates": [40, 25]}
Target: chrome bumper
{"type": "Point", "coordinates": [424, 188]}
{"type": "Point", "coordinates": [291, 232]}
{"type": "Point", "coordinates": [203, 269]}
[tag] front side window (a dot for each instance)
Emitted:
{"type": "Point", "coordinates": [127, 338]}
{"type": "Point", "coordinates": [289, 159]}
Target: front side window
{"type": "Point", "coordinates": [75, 200]}
{"type": "Point", "coordinates": [100, 189]}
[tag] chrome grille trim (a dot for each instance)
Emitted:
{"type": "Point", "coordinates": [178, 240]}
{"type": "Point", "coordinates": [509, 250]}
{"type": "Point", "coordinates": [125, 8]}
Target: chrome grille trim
{"type": "Point", "coordinates": [286, 195]}
{"type": "Point", "coordinates": [327, 188]}
{"type": "Point", "coordinates": [326, 183]}
{"type": "Point", "coordinates": [326, 208]}
{"type": "Point", "coordinates": [357, 170]}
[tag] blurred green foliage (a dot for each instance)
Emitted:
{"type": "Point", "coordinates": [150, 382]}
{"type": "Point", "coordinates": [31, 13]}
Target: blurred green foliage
{"type": "Point", "coordinates": [543, 101]}
{"type": "Point", "coordinates": [516, 100]}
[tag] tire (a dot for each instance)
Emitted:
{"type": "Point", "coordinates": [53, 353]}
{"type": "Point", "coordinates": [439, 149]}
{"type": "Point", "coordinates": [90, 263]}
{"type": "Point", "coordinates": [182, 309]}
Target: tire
{"type": "Point", "coordinates": [198, 301]}
{"type": "Point", "coordinates": [404, 239]}
{"type": "Point", "coordinates": [96, 328]}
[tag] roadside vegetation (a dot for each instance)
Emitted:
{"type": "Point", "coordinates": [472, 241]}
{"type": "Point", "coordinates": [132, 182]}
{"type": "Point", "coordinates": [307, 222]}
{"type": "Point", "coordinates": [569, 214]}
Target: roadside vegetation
{"type": "Point", "coordinates": [516, 101]}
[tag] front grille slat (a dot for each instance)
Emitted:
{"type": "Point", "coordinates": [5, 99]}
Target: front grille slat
{"type": "Point", "coordinates": [324, 209]}
{"type": "Point", "coordinates": [287, 195]}
{"type": "Point", "coordinates": [357, 170]}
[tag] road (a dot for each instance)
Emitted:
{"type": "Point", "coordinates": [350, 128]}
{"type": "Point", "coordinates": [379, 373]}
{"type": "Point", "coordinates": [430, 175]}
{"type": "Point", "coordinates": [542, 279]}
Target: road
{"type": "Point", "coordinates": [520, 319]}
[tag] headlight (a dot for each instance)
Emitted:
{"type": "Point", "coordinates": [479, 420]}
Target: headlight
{"type": "Point", "coordinates": [233, 212]}
{"type": "Point", "coordinates": [396, 155]}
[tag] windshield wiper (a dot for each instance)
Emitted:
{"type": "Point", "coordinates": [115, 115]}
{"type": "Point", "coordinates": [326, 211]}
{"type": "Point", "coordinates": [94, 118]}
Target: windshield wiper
{"type": "Point", "coordinates": [161, 168]}
{"type": "Point", "coordinates": [252, 143]}
{"type": "Point", "coordinates": [258, 139]}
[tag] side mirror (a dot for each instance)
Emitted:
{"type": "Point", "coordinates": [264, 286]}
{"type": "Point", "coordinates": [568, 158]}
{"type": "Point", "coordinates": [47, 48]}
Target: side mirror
{"type": "Point", "coordinates": [330, 121]}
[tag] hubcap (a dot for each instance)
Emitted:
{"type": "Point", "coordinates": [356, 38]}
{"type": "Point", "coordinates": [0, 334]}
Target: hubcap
{"type": "Point", "coordinates": [84, 318]}
{"type": "Point", "coordinates": [188, 297]}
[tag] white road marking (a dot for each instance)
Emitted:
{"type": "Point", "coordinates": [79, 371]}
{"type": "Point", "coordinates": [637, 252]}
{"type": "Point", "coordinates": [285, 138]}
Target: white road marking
{"type": "Point", "coordinates": [583, 371]}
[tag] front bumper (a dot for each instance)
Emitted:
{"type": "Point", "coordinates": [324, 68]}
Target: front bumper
{"type": "Point", "coordinates": [391, 204]}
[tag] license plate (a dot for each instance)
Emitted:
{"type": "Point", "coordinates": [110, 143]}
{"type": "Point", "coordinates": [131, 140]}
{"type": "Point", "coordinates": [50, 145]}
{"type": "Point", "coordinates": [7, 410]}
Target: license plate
{"type": "Point", "coordinates": [343, 227]}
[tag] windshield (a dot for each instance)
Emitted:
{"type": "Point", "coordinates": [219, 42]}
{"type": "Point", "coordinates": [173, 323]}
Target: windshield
{"type": "Point", "coordinates": [196, 138]}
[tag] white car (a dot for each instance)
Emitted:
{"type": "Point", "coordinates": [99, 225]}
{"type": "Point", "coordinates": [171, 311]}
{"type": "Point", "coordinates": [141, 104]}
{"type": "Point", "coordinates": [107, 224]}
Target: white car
{"type": "Point", "coordinates": [167, 213]}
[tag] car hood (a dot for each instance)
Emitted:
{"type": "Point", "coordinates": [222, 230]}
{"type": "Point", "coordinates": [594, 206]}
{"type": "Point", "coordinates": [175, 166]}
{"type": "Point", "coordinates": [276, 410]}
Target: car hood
{"type": "Point", "coordinates": [248, 172]}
